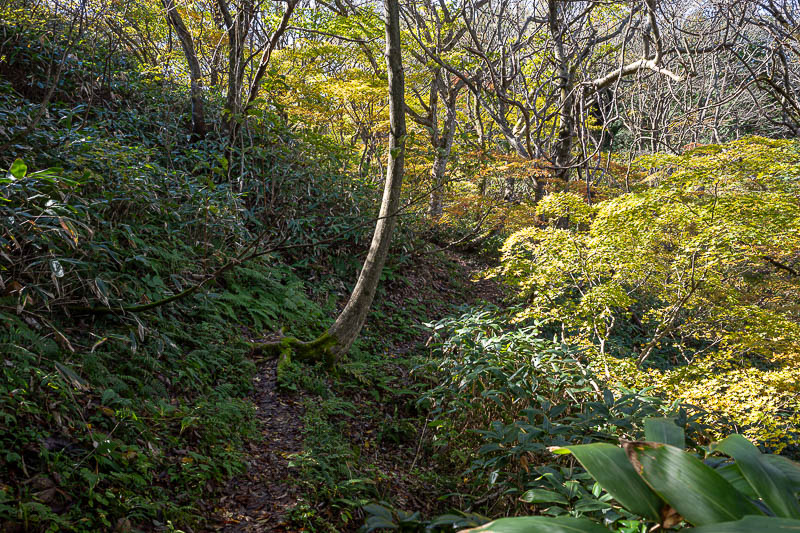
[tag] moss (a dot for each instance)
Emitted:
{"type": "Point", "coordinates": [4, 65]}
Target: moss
{"type": "Point", "coordinates": [319, 349]}
{"type": "Point", "coordinates": [284, 360]}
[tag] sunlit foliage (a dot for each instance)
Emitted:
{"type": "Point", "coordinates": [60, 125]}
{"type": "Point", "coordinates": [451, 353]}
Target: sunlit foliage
{"type": "Point", "coordinates": [688, 283]}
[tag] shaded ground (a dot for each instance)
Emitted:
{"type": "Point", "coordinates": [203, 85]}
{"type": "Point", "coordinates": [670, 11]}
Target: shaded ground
{"type": "Point", "coordinates": [261, 499]}
{"type": "Point", "coordinates": [256, 501]}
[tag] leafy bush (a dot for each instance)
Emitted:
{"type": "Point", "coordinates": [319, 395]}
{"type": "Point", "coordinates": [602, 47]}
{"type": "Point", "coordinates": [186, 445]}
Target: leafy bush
{"type": "Point", "coordinates": [658, 481]}
{"type": "Point", "coordinates": [118, 419]}
{"type": "Point", "coordinates": [505, 395]}
{"type": "Point", "coordinates": [686, 283]}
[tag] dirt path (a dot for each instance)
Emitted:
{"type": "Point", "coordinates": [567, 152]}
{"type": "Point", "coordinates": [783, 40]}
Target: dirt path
{"type": "Point", "coordinates": [259, 500]}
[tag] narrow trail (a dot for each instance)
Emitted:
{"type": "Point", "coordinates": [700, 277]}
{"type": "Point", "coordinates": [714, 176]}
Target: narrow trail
{"type": "Point", "coordinates": [257, 500]}
{"type": "Point", "coordinates": [260, 500]}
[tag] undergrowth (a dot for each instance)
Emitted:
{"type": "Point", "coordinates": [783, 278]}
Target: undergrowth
{"type": "Point", "coordinates": [365, 436]}
{"type": "Point", "coordinates": [495, 396]}
{"type": "Point", "coordinates": [131, 420]}
{"type": "Point", "coordinates": [120, 411]}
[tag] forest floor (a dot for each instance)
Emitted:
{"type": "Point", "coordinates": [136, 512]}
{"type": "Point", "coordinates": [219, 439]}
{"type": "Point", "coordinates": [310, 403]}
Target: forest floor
{"type": "Point", "coordinates": [267, 497]}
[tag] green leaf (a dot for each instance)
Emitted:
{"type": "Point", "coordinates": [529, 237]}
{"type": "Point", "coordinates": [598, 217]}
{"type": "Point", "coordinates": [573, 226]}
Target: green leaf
{"type": "Point", "coordinates": [539, 524]}
{"type": "Point", "coordinates": [789, 468]}
{"type": "Point", "coordinates": [771, 485]}
{"type": "Point", "coordinates": [664, 430]}
{"type": "Point", "coordinates": [734, 476]}
{"type": "Point", "coordinates": [587, 505]}
{"type": "Point", "coordinates": [18, 169]}
{"type": "Point", "coordinates": [379, 522]}
{"type": "Point", "coordinates": [751, 524]}
{"type": "Point", "coordinates": [376, 509]}
{"type": "Point", "coordinates": [609, 465]}
{"type": "Point", "coordinates": [71, 377]}
{"type": "Point", "coordinates": [543, 496]}
{"type": "Point", "coordinates": [700, 494]}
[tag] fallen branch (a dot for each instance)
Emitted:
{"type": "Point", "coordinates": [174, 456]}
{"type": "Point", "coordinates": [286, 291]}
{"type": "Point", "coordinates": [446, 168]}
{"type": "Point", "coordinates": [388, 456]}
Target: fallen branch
{"type": "Point", "coordinates": [777, 264]}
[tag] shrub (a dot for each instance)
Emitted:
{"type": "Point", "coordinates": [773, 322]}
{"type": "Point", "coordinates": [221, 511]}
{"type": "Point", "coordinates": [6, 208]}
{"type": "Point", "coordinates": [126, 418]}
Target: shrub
{"type": "Point", "coordinates": [687, 283]}
{"type": "Point", "coordinates": [658, 481]}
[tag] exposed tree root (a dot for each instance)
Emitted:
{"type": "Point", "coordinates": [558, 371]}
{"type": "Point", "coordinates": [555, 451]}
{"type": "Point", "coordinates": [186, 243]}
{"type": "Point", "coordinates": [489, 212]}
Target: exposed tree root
{"type": "Point", "coordinates": [286, 348]}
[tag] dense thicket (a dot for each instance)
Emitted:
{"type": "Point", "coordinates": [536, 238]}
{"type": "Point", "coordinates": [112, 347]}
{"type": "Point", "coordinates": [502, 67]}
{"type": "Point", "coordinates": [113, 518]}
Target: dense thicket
{"type": "Point", "coordinates": [112, 411]}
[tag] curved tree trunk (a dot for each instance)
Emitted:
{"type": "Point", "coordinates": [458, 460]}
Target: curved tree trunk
{"type": "Point", "coordinates": [349, 323]}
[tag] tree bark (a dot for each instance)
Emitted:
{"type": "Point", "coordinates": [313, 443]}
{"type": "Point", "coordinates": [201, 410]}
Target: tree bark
{"type": "Point", "coordinates": [237, 27]}
{"type": "Point", "coordinates": [440, 160]}
{"type": "Point", "coordinates": [348, 325]}
{"type": "Point", "coordinates": [442, 142]}
{"type": "Point", "coordinates": [199, 128]}
{"type": "Point", "coordinates": [562, 148]}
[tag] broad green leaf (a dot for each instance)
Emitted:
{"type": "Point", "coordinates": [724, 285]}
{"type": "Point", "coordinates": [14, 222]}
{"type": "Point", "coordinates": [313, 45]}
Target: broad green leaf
{"type": "Point", "coordinates": [376, 509]}
{"type": "Point", "coordinates": [664, 430]}
{"type": "Point", "coordinates": [699, 494]}
{"type": "Point", "coordinates": [378, 522]}
{"type": "Point", "coordinates": [751, 524]}
{"type": "Point", "coordinates": [734, 476]}
{"type": "Point", "coordinates": [543, 496]}
{"type": "Point", "coordinates": [52, 174]}
{"type": "Point", "coordinates": [609, 465]}
{"type": "Point", "coordinates": [790, 469]}
{"type": "Point", "coordinates": [771, 485]}
{"type": "Point", "coordinates": [539, 524]}
{"type": "Point", "coordinates": [18, 169]}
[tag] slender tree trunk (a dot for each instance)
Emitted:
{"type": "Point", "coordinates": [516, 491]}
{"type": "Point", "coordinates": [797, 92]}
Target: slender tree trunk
{"type": "Point", "coordinates": [538, 189]}
{"type": "Point", "coordinates": [349, 323]}
{"type": "Point", "coordinates": [215, 68]}
{"type": "Point", "coordinates": [513, 140]}
{"type": "Point", "coordinates": [474, 113]}
{"type": "Point", "coordinates": [199, 128]}
{"type": "Point", "coordinates": [237, 27]}
{"type": "Point", "coordinates": [563, 146]}
{"type": "Point", "coordinates": [443, 146]}
{"type": "Point", "coordinates": [265, 56]}
{"type": "Point", "coordinates": [440, 160]}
